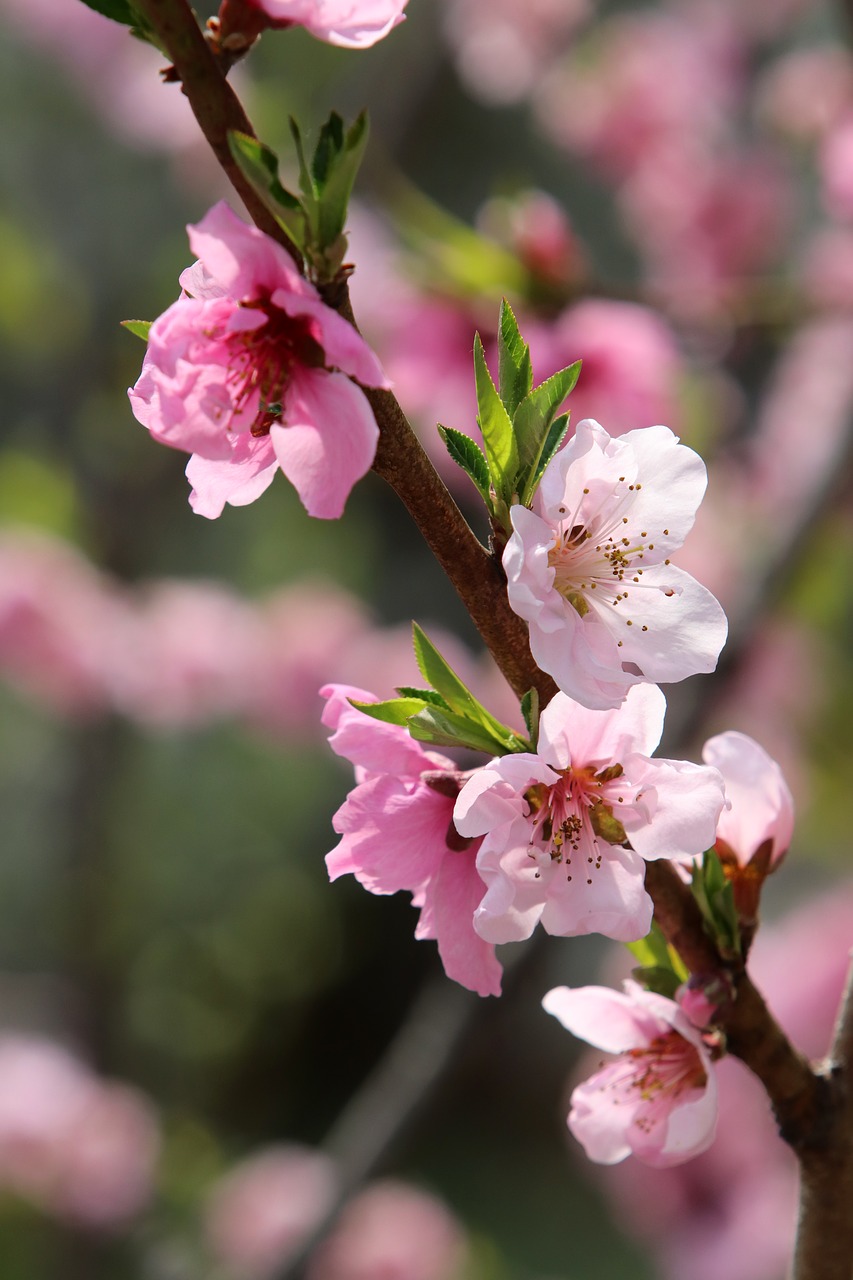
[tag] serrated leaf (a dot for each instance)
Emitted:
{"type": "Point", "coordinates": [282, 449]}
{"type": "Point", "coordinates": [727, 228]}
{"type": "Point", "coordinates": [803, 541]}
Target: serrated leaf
{"type": "Point", "coordinates": [467, 454]}
{"type": "Point", "coordinates": [530, 712]}
{"type": "Point", "coordinates": [139, 328]}
{"type": "Point", "coordinates": [533, 418]}
{"type": "Point", "coordinates": [447, 729]}
{"type": "Point", "coordinates": [495, 423]}
{"type": "Point", "coordinates": [515, 371]}
{"type": "Point", "coordinates": [259, 166]}
{"type": "Point", "coordinates": [426, 695]}
{"type": "Point", "coordinates": [392, 711]}
{"type": "Point", "coordinates": [438, 672]}
{"type": "Point", "coordinates": [555, 437]}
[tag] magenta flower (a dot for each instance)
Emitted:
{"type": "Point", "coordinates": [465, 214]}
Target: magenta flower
{"type": "Point", "coordinates": [250, 372]}
{"type": "Point", "coordinates": [588, 568]}
{"type": "Point", "coordinates": [397, 833]}
{"type": "Point", "coordinates": [658, 1100]}
{"type": "Point", "coordinates": [355, 24]}
{"type": "Point", "coordinates": [567, 831]}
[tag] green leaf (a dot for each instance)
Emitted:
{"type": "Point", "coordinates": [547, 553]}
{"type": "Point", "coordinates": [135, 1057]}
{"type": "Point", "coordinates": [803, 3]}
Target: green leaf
{"type": "Point", "coordinates": [259, 166]}
{"type": "Point", "coordinates": [496, 426]}
{"type": "Point", "coordinates": [715, 897]}
{"type": "Point", "coordinates": [329, 145]}
{"type": "Point", "coordinates": [425, 695]}
{"type": "Point", "coordinates": [435, 669]}
{"type": "Point", "coordinates": [339, 168]}
{"type": "Point", "coordinates": [657, 978]}
{"type": "Point", "coordinates": [654, 952]}
{"type": "Point", "coordinates": [393, 711]}
{"type": "Point", "coordinates": [469, 456]}
{"type": "Point", "coordinates": [514, 366]}
{"type": "Point", "coordinates": [306, 181]}
{"type": "Point", "coordinates": [118, 10]}
{"type": "Point", "coordinates": [532, 423]}
{"type": "Point", "coordinates": [139, 328]}
{"type": "Point", "coordinates": [530, 711]}
{"type": "Point", "coordinates": [447, 729]}
{"type": "Point", "coordinates": [555, 437]}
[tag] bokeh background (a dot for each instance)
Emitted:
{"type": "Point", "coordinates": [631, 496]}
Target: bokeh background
{"type": "Point", "coordinates": [188, 1008]}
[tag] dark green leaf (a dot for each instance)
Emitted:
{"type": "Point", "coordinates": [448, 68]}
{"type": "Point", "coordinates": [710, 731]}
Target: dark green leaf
{"type": "Point", "coordinates": [715, 897]}
{"type": "Point", "coordinates": [469, 456]}
{"type": "Point", "coordinates": [435, 669]}
{"type": "Point", "coordinates": [139, 328]}
{"type": "Point", "coordinates": [118, 10]}
{"type": "Point", "coordinates": [496, 426]}
{"type": "Point", "coordinates": [514, 367]}
{"type": "Point", "coordinates": [306, 182]}
{"type": "Point", "coordinates": [555, 437]}
{"type": "Point", "coordinates": [341, 168]}
{"type": "Point", "coordinates": [660, 979]}
{"type": "Point", "coordinates": [532, 422]}
{"type": "Point", "coordinates": [329, 145]}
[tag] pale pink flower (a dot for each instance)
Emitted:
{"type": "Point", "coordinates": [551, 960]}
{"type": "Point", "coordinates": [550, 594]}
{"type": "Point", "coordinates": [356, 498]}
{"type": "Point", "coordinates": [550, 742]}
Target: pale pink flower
{"type": "Point", "coordinates": [658, 1100]}
{"type": "Point", "coordinates": [758, 820]}
{"type": "Point", "coordinates": [251, 372]}
{"type": "Point", "coordinates": [732, 1211]}
{"type": "Point", "coordinates": [836, 161]}
{"type": "Point", "coordinates": [355, 24]}
{"type": "Point", "coordinates": [259, 1214]}
{"type": "Point", "coordinates": [392, 1231]}
{"type": "Point", "coordinates": [803, 93]}
{"type": "Point", "coordinates": [397, 834]}
{"type": "Point", "coordinates": [79, 1147]}
{"type": "Point", "coordinates": [588, 568]}
{"type": "Point", "coordinates": [557, 825]}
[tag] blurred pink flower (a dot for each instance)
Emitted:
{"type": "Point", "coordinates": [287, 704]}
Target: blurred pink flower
{"type": "Point", "coordinates": [555, 824]}
{"type": "Point", "coordinates": [79, 1147]}
{"type": "Point", "coordinates": [588, 568]}
{"type": "Point", "coordinates": [355, 24]}
{"type": "Point", "coordinates": [836, 169]}
{"type": "Point", "coordinates": [58, 616]}
{"type": "Point", "coordinates": [248, 372]}
{"type": "Point", "coordinates": [397, 833]}
{"type": "Point", "coordinates": [658, 1100]}
{"type": "Point", "coordinates": [258, 1215]}
{"type": "Point", "coordinates": [391, 1231]}
{"type": "Point", "coordinates": [631, 363]}
{"type": "Point", "coordinates": [803, 93]}
{"type": "Point", "coordinates": [500, 49]}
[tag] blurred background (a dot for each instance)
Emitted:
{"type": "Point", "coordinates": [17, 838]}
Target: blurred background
{"type": "Point", "coordinates": [188, 1009]}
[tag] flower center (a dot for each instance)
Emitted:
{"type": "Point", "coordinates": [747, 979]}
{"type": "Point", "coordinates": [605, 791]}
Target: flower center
{"type": "Point", "coordinates": [593, 556]}
{"type": "Point", "coordinates": [668, 1065]}
{"type": "Point", "coordinates": [262, 361]}
{"type": "Point", "coordinates": [574, 816]}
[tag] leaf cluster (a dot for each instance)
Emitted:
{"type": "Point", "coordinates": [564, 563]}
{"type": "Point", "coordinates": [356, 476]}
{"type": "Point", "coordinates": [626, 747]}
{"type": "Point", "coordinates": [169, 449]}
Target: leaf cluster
{"type": "Point", "coordinates": [521, 425]}
{"type": "Point", "coordinates": [447, 714]}
{"type": "Point", "coordinates": [660, 968]}
{"type": "Point", "coordinates": [315, 219]}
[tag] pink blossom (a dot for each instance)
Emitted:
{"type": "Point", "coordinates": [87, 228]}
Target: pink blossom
{"type": "Point", "coordinates": [836, 159]}
{"type": "Point", "coordinates": [588, 568]}
{"type": "Point", "coordinates": [658, 1100]}
{"type": "Point", "coordinates": [732, 1211]}
{"type": "Point", "coordinates": [259, 1214]}
{"type": "Point", "coordinates": [251, 372]}
{"type": "Point", "coordinates": [355, 24]}
{"type": "Point", "coordinates": [392, 1232]}
{"type": "Point", "coordinates": [758, 820]}
{"type": "Point", "coordinates": [77, 1146]}
{"type": "Point", "coordinates": [567, 830]}
{"type": "Point", "coordinates": [397, 834]}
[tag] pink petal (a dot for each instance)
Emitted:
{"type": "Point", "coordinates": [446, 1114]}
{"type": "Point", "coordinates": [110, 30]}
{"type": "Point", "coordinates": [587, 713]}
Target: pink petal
{"type": "Point", "coordinates": [372, 744]}
{"type": "Point", "coordinates": [451, 900]}
{"type": "Point", "coordinates": [241, 259]}
{"type": "Point", "coordinates": [682, 803]}
{"type": "Point", "coordinates": [394, 835]}
{"type": "Point", "coordinates": [344, 346]}
{"type": "Point", "coordinates": [327, 440]}
{"type": "Point", "coordinates": [608, 1019]}
{"type": "Point", "coordinates": [762, 807]}
{"type": "Point", "coordinates": [238, 480]}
